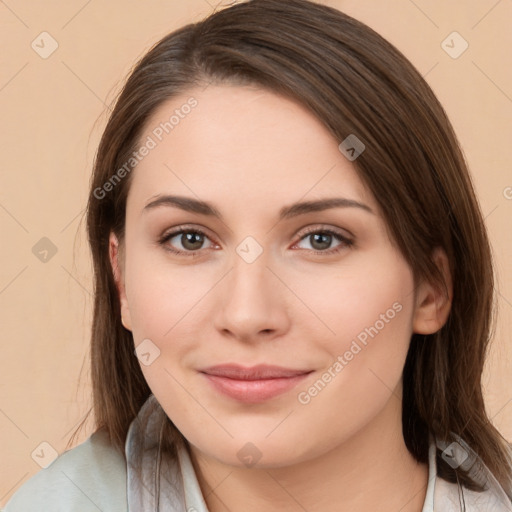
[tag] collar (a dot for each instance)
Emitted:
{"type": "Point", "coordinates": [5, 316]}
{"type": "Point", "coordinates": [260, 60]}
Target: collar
{"type": "Point", "coordinates": [164, 483]}
{"type": "Point", "coordinates": [171, 483]}
{"type": "Point", "coordinates": [445, 496]}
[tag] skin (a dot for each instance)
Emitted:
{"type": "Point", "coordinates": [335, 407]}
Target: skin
{"type": "Point", "coordinates": [250, 152]}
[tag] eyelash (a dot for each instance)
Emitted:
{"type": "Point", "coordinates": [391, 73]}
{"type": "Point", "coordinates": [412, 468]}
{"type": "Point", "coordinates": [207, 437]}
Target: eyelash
{"type": "Point", "coordinates": [346, 242]}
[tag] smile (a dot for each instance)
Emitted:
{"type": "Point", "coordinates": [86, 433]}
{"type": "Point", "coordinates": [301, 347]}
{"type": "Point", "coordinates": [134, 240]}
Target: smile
{"type": "Point", "coordinates": [253, 385]}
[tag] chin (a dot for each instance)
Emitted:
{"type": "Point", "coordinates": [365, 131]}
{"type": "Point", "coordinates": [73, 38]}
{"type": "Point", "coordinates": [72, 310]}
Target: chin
{"type": "Point", "coordinates": [263, 454]}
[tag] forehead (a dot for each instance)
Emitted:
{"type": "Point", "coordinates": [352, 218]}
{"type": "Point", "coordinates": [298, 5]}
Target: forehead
{"type": "Point", "coordinates": [242, 145]}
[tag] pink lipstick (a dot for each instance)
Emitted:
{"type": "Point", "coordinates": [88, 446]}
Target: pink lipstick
{"type": "Point", "coordinates": [253, 384]}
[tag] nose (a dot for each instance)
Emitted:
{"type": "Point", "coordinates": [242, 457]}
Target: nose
{"type": "Point", "coordinates": [251, 303]}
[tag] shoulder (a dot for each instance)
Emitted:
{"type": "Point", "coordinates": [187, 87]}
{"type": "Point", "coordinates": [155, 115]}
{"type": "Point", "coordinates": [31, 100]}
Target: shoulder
{"type": "Point", "coordinates": [450, 497]}
{"type": "Point", "coordinates": [88, 477]}
{"type": "Point", "coordinates": [495, 497]}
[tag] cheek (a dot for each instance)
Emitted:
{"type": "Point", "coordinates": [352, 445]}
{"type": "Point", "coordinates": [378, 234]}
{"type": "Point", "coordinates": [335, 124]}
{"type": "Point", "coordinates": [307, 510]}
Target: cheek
{"type": "Point", "coordinates": [362, 377]}
{"type": "Point", "coordinates": [371, 313]}
{"type": "Point", "coordinates": [167, 309]}
{"type": "Point", "coordinates": [163, 297]}
{"type": "Point", "coordinates": [368, 309]}
{"type": "Point", "coordinates": [368, 300]}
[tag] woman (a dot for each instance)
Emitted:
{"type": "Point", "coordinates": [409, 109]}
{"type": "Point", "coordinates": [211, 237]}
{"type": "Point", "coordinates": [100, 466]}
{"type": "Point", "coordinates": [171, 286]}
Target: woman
{"type": "Point", "coordinates": [293, 283]}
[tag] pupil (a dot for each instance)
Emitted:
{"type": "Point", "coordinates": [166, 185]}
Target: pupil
{"type": "Point", "coordinates": [192, 238]}
{"type": "Point", "coordinates": [325, 244]}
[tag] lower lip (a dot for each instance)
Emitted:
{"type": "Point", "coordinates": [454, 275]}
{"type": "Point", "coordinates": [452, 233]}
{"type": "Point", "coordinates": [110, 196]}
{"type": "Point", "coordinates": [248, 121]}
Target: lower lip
{"type": "Point", "coordinates": [254, 391]}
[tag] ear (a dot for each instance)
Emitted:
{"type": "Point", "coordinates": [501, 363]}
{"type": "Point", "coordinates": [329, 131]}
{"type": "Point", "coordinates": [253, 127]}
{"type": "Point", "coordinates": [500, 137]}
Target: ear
{"type": "Point", "coordinates": [117, 269]}
{"type": "Point", "coordinates": [433, 303]}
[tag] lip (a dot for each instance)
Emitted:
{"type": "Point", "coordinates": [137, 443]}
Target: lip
{"type": "Point", "coordinates": [253, 384]}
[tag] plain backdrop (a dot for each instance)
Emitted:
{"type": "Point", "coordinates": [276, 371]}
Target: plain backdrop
{"type": "Point", "coordinates": [53, 108]}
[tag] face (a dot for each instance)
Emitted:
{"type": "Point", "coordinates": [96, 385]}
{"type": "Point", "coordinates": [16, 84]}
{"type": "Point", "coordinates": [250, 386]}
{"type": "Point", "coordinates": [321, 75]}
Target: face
{"type": "Point", "coordinates": [254, 280]}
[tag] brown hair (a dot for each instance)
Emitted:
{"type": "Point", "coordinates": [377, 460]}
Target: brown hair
{"type": "Point", "coordinates": [355, 82]}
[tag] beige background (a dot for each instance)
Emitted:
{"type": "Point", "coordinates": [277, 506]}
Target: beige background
{"type": "Point", "coordinates": [53, 111]}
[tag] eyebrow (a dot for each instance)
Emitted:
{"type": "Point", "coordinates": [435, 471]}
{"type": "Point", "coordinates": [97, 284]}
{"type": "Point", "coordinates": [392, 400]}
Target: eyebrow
{"type": "Point", "coordinates": [190, 204]}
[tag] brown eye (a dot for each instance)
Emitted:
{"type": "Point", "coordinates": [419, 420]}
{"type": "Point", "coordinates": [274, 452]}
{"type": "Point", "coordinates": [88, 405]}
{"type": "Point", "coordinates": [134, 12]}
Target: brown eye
{"type": "Point", "coordinates": [191, 240]}
{"type": "Point", "coordinates": [185, 242]}
{"type": "Point", "coordinates": [321, 241]}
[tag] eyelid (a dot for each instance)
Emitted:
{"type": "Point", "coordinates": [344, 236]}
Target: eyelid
{"type": "Point", "coordinates": [313, 228]}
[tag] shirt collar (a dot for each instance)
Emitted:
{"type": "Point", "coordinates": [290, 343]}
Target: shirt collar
{"type": "Point", "coordinates": [166, 483]}
{"type": "Point", "coordinates": [155, 482]}
{"type": "Point", "coordinates": [446, 496]}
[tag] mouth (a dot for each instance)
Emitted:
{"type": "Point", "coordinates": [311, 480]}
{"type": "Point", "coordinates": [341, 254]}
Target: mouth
{"type": "Point", "coordinates": [253, 384]}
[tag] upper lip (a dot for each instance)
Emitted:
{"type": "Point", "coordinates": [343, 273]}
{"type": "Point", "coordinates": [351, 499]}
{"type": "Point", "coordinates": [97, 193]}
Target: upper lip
{"type": "Point", "coordinates": [258, 372]}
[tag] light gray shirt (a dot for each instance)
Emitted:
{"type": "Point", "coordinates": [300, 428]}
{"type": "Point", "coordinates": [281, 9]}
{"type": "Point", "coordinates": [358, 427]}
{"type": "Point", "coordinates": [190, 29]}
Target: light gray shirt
{"type": "Point", "coordinates": [93, 477]}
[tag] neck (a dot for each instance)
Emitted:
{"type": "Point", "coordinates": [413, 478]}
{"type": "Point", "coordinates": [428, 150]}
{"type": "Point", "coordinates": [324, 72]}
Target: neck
{"type": "Point", "coordinates": [373, 470]}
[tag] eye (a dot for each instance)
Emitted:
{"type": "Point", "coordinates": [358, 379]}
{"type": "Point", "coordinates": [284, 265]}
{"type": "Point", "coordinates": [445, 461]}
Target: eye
{"type": "Point", "coordinates": [190, 240]}
{"type": "Point", "coordinates": [321, 240]}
